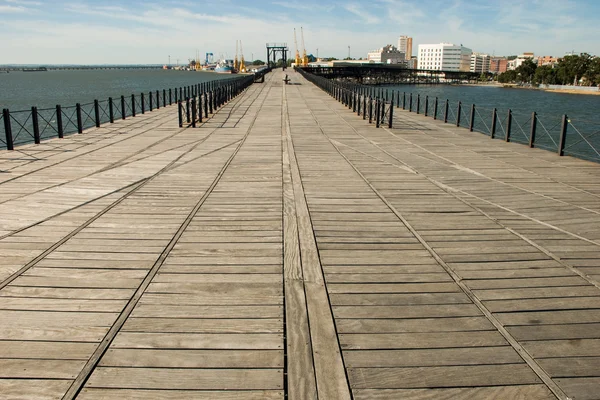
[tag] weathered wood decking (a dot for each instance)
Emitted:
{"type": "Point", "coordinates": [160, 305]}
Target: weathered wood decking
{"type": "Point", "coordinates": [288, 247]}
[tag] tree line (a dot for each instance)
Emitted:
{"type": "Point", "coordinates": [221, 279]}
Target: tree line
{"type": "Point", "coordinates": [580, 70]}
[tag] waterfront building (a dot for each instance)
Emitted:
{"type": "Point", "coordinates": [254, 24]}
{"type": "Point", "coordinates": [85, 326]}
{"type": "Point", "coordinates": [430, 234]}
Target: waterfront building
{"type": "Point", "coordinates": [517, 62]}
{"type": "Point", "coordinates": [444, 57]}
{"type": "Point", "coordinates": [405, 44]}
{"type": "Point", "coordinates": [547, 60]}
{"type": "Point", "coordinates": [480, 63]}
{"type": "Point", "coordinates": [498, 65]}
{"type": "Point", "coordinates": [387, 55]}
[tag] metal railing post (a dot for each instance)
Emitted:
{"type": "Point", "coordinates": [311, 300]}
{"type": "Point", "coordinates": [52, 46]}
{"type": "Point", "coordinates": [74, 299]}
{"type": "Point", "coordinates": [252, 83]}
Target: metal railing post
{"type": "Point", "coordinates": [123, 111]}
{"type": "Point", "coordinates": [435, 108]}
{"type": "Point", "coordinates": [111, 111]}
{"type": "Point", "coordinates": [164, 97]}
{"type": "Point", "coordinates": [143, 102]}
{"type": "Point", "coordinates": [377, 113]}
{"type": "Point", "coordinates": [472, 120]}
{"type": "Point", "coordinates": [533, 129]}
{"type": "Point", "coordinates": [187, 110]}
{"type": "Point", "coordinates": [7, 129]}
{"type": "Point", "coordinates": [418, 102]}
{"type": "Point", "coordinates": [170, 96]}
{"type": "Point", "coordinates": [200, 108]}
{"type": "Point", "coordinates": [193, 112]}
{"type": "Point", "coordinates": [59, 124]}
{"type": "Point", "coordinates": [206, 104]}
{"type": "Point", "coordinates": [410, 103]}
{"type": "Point", "coordinates": [493, 128]}
{"type": "Point", "coordinates": [97, 113]}
{"type": "Point", "coordinates": [458, 113]}
{"type": "Point", "coordinates": [364, 106]}
{"type": "Point", "coordinates": [133, 105]}
{"type": "Point", "coordinates": [150, 101]}
{"type": "Point", "coordinates": [157, 99]}
{"type": "Point", "coordinates": [391, 114]}
{"type": "Point", "coordinates": [370, 109]}
{"type": "Point", "coordinates": [79, 123]}
{"type": "Point", "coordinates": [508, 125]}
{"type": "Point", "coordinates": [446, 108]}
{"type": "Point", "coordinates": [426, 106]}
{"type": "Point", "coordinates": [404, 100]}
{"type": "Point", "coordinates": [36, 125]}
{"type": "Point", "coordinates": [563, 135]}
{"type": "Point", "coordinates": [180, 113]}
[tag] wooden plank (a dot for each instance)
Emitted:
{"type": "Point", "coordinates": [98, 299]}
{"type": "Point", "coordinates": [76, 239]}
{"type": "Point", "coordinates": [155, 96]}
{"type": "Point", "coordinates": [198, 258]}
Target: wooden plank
{"type": "Point", "coordinates": [189, 325]}
{"type": "Point", "coordinates": [564, 367]}
{"type": "Point", "coordinates": [14, 368]}
{"type": "Point", "coordinates": [374, 326]}
{"type": "Point", "coordinates": [421, 340]}
{"type": "Point", "coordinates": [187, 358]}
{"type": "Point", "coordinates": [33, 389]}
{"type": "Point", "coordinates": [140, 394]}
{"type": "Point", "coordinates": [431, 357]}
{"type": "Point", "coordinates": [520, 392]}
{"type": "Point", "coordinates": [431, 377]}
{"type": "Point", "coordinates": [186, 379]}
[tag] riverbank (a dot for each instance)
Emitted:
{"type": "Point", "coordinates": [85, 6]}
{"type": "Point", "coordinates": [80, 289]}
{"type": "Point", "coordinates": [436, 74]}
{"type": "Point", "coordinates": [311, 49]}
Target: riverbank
{"type": "Point", "coordinates": [552, 90]}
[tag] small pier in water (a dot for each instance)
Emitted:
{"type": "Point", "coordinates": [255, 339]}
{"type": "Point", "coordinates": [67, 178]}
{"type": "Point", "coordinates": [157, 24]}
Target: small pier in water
{"type": "Point", "coordinates": [286, 247]}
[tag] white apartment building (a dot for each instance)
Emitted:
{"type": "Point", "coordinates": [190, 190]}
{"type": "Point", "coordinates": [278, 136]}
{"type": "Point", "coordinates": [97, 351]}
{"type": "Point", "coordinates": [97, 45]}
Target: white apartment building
{"type": "Point", "coordinates": [444, 57]}
{"type": "Point", "coordinates": [387, 55]}
{"type": "Point", "coordinates": [517, 62]}
{"type": "Point", "coordinates": [480, 63]}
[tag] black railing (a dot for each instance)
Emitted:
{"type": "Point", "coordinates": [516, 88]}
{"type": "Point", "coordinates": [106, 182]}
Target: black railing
{"type": "Point", "coordinates": [373, 104]}
{"type": "Point", "coordinates": [558, 133]}
{"type": "Point", "coordinates": [35, 125]}
{"type": "Point", "coordinates": [203, 100]}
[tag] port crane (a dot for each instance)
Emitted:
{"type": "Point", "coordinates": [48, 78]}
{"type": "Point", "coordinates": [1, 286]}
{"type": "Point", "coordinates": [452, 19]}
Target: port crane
{"type": "Point", "coordinates": [297, 60]}
{"type": "Point", "coordinates": [304, 56]}
{"type": "Point", "coordinates": [242, 65]}
{"type": "Point", "coordinates": [236, 63]}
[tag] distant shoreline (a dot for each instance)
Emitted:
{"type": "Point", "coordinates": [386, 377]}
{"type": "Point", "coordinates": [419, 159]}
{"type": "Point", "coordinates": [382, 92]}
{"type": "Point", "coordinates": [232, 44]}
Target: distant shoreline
{"type": "Point", "coordinates": [564, 91]}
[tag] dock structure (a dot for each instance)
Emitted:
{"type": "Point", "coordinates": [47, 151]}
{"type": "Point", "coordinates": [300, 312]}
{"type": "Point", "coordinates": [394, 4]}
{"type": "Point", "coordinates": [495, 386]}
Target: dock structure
{"type": "Point", "coordinates": [285, 247]}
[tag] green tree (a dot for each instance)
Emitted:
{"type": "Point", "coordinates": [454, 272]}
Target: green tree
{"type": "Point", "coordinates": [544, 75]}
{"type": "Point", "coordinates": [526, 71]}
{"type": "Point", "coordinates": [258, 62]}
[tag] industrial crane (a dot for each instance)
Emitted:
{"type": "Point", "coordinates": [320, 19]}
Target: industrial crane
{"type": "Point", "coordinates": [242, 65]}
{"type": "Point", "coordinates": [304, 56]}
{"type": "Point", "coordinates": [236, 64]}
{"type": "Point", "coordinates": [297, 60]}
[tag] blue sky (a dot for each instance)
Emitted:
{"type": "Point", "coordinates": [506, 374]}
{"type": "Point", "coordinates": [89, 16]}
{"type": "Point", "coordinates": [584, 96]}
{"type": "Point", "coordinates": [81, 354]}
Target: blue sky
{"type": "Point", "coordinates": [112, 31]}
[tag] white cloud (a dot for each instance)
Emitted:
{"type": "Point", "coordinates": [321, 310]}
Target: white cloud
{"type": "Point", "coordinates": [360, 12]}
{"type": "Point", "coordinates": [12, 9]}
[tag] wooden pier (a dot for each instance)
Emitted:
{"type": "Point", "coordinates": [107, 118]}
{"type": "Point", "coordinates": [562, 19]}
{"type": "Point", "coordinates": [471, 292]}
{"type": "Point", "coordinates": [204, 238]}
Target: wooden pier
{"type": "Point", "coordinates": [288, 248]}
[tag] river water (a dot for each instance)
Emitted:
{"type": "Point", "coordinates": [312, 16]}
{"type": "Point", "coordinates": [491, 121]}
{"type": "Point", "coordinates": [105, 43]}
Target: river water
{"type": "Point", "coordinates": [21, 90]}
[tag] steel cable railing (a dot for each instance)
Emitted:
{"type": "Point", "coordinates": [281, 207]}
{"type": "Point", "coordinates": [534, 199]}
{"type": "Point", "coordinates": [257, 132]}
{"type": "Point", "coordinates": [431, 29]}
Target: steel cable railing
{"type": "Point", "coordinates": [562, 136]}
{"type": "Point", "coordinates": [26, 126]}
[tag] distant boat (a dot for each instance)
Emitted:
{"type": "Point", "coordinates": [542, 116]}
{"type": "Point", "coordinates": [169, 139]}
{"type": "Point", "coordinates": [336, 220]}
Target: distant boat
{"type": "Point", "coordinates": [224, 67]}
{"type": "Point", "coordinates": [40, 69]}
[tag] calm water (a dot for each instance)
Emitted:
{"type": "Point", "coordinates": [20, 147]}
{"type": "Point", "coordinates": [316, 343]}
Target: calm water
{"type": "Point", "coordinates": [22, 90]}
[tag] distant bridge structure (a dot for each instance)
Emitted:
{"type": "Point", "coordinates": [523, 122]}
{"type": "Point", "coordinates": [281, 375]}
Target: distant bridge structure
{"type": "Point", "coordinates": [381, 74]}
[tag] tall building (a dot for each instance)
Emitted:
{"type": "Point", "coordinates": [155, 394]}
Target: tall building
{"type": "Point", "coordinates": [498, 65]}
{"type": "Point", "coordinates": [480, 63]}
{"type": "Point", "coordinates": [387, 55]}
{"type": "Point", "coordinates": [444, 57]}
{"type": "Point", "coordinates": [405, 45]}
